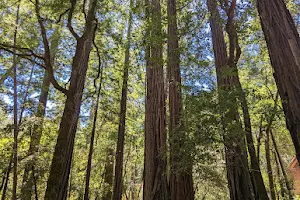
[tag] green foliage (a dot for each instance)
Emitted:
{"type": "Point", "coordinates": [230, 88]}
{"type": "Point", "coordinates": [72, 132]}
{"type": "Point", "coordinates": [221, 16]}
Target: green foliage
{"type": "Point", "coordinates": [201, 117]}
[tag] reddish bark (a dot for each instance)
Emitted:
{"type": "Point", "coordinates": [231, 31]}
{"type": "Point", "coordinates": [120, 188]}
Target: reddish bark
{"type": "Point", "coordinates": [155, 180]}
{"type": "Point", "coordinates": [181, 179]}
{"type": "Point", "coordinates": [283, 43]}
{"type": "Point", "coordinates": [234, 139]}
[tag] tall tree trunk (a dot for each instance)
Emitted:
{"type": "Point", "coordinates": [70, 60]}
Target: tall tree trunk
{"type": "Point", "coordinates": [28, 180]}
{"type": "Point", "coordinates": [284, 50]}
{"type": "Point", "coordinates": [155, 180]}
{"type": "Point", "coordinates": [15, 147]}
{"type": "Point", "coordinates": [286, 180]}
{"type": "Point", "coordinates": [181, 179]}
{"type": "Point", "coordinates": [35, 140]}
{"type": "Point", "coordinates": [5, 184]}
{"type": "Point", "coordinates": [269, 167]}
{"type": "Point", "coordinates": [60, 168]}
{"type": "Point", "coordinates": [95, 115]}
{"type": "Point", "coordinates": [108, 175]}
{"type": "Point", "coordinates": [269, 130]}
{"type": "Point", "coordinates": [259, 137]}
{"type": "Point", "coordinates": [282, 193]}
{"type": "Point", "coordinates": [258, 184]}
{"type": "Point", "coordinates": [117, 192]}
{"type": "Point", "coordinates": [234, 55]}
{"type": "Point", "coordinates": [235, 149]}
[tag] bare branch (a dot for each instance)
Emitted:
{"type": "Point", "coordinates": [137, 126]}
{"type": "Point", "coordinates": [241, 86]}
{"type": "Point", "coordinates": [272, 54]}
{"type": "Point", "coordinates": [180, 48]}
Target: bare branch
{"type": "Point", "coordinates": [47, 53]}
{"type": "Point", "coordinates": [70, 16]}
{"type": "Point", "coordinates": [99, 74]}
{"type": "Point", "coordinates": [56, 84]}
{"type": "Point", "coordinates": [24, 56]}
{"type": "Point", "coordinates": [29, 52]}
{"type": "Point", "coordinates": [62, 14]}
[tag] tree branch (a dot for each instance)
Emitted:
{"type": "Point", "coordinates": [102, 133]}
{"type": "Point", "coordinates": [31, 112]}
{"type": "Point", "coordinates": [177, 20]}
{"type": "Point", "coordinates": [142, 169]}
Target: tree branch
{"type": "Point", "coordinates": [83, 9]}
{"type": "Point", "coordinates": [47, 53]}
{"type": "Point", "coordinates": [70, 16]}
{"type": "Point", "coordinates": [24, 56]}
{"type": "Point", "coordinates": [61, 15]}
{"type": "Point", "coordinates": [5, 47]}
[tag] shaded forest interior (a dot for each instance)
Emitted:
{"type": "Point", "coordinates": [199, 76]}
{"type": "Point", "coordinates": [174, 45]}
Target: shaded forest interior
{"type": "Point", "coordinates": [149, 99]}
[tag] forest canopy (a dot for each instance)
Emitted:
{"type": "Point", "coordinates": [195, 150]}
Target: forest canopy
{"type": "Point", "coordinates": [149, 99]}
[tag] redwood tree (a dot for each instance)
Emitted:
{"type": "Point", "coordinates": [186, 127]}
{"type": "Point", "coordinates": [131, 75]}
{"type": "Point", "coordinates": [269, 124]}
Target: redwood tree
{"type": "Point", "coordinates": [155, 180]}
{"type": "Point", "coordinates": [283, 43]}
{"type": "Point", "coordinates": [117, 193]}
{"type": "Point", "coordinates": [234, 139]}
{"type": "Point", "coordinates": [181, 180]}
{"type": "Point", "coordinates": [234, 53]}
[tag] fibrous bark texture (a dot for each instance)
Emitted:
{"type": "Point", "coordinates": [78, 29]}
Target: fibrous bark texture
{"type": "Point", "coordinates": [284, 50]}
{"type": "Point", "coordinates": [155, 180]}
{"type": "Point", "coordinates": [181, 180]}
{"type": "Point", "coordinates": [234, 138]}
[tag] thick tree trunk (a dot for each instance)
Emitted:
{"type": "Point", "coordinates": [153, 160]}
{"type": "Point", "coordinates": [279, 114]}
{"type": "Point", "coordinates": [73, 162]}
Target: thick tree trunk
{"type": "Point", "coordinates": [269, 167]}
{"type": "Point", "coordinates": [284, 49]}
{"type": "Point", "coordinates": [118, 182]}
{"type": "Point", "coordinates": [61, 163]}
{"type": "Point", "coordinates": [235, 149]}
{"type": "Point", "coordinates": [181, 179]}
{"type": "Point", "coordinates": [260, 191]}
{"type": "Point", "coordinates": [108, 175]}
{"type": "Point", "coordinates": [155, 180]}
{"type": "Point", "coordinates": [37, 130]}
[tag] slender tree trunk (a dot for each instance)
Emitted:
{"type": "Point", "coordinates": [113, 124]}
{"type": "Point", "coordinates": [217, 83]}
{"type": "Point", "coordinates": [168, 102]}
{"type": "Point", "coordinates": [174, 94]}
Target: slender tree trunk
{"type": "Point", "coordinates": [260, 134]}
{"type": "Point", "coordinates": [3, 179]}
{"type": "Point", "coordinates": [34, 184]}
{"type": "Point", "coordinates": [90, 156]}
{"type": "Point", "coordinates": [15, 147]}
{"type": "Point", "coordinates": [61, 163]}
{"type": "Point", "coordinates": [286, 180]}
{"type": "Point", "coordinates": [5, 184]}
{"type": "Point", "coordinates": [117, 193]}
{"type": "Point", "coordinates": [269, 167]}
{"type": "Point", "coordinates": [235, 149]}
{"type": "Point", "coordinates": [155, 180]}
{"type": "Point", "coordinates": [279, 176]}
{"type": "Point", "coordinates": [258, 184]}
{"type": "Point", "coordinates": [108, 175]}
{"type": "Point", "coordinates": [134, 176]}
{"type": "Point", "coordinates": [38, 126]}
{"type": "Point", "coordinates": [284, 49]}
